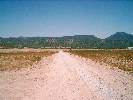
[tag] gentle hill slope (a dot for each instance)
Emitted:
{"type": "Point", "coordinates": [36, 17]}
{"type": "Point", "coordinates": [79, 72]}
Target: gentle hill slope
{"type": "Point", "coordinates": [117, 40]}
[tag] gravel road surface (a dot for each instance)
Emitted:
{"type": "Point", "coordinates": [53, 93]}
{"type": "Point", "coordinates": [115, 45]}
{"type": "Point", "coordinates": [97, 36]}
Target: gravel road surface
{"type": "Point", "coordinates": [66, 77]}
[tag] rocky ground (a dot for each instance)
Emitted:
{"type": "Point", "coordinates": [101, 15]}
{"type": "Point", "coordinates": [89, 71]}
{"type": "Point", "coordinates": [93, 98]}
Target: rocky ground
{"type": "Point", "coordinates": [66, 77]}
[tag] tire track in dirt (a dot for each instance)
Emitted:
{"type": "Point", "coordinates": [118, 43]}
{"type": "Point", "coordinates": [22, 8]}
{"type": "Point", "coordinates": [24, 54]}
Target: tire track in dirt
{"type": "Point", "coordinates": [66, 77]}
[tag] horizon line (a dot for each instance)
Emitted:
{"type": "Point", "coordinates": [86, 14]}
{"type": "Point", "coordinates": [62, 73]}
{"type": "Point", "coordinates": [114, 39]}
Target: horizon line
{"type": "Point", "coordinates": [60, 36]}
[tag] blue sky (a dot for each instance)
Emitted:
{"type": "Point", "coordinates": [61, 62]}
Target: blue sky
{"type": "Point", "coordinates": [65, 17]}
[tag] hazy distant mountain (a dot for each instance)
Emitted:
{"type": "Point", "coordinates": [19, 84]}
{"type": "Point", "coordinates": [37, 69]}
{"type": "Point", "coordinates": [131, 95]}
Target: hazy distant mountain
{"type": "Point", "coordinates": [117, 40]}
{"type": "Point", "coordinates": [120, 36]}
{"type": "Point", "coordinates": [80, 41]}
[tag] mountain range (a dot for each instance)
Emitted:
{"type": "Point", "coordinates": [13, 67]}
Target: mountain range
{"type": "Point", "coordinates": [119, 40]}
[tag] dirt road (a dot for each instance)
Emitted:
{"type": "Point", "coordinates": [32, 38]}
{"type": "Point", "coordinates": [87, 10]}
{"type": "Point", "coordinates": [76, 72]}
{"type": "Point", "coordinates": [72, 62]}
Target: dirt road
{"type": "Point", "coordinates": [66, 77]}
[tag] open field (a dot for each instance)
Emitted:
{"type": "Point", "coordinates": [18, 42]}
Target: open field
{"type": "Point", "coordinates": [19, 58]}
{"type": "Point", "coordinates": [63, 76]}
{"type": "Point", "coordinates": [123, 59]}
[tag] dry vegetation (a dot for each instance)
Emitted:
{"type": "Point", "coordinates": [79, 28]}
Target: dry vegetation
{"type": "Point", "coordinates": [16, 59]}
{"type": "Point", "coordinates": [123, 59]}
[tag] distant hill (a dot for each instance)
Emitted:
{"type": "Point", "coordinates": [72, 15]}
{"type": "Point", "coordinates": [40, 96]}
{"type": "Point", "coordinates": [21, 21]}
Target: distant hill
{"type": "Point", "coordinates": [117, 40]}
{"type": "Point", "coordinates": [120, 36]}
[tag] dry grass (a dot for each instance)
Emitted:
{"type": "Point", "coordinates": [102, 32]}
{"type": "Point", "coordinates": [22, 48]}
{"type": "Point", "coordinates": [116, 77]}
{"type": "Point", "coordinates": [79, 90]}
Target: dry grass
{"type": "Point", "coordinates": [123, 59]}
{"type": "Point", "coordinates": [20, 59]}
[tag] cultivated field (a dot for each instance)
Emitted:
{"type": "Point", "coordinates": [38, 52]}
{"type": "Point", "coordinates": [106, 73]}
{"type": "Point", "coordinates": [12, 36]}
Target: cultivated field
{"type": "Point", "coordinates": [19, 58]}
{"type": "Point", "coordinates": [123, 59]}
